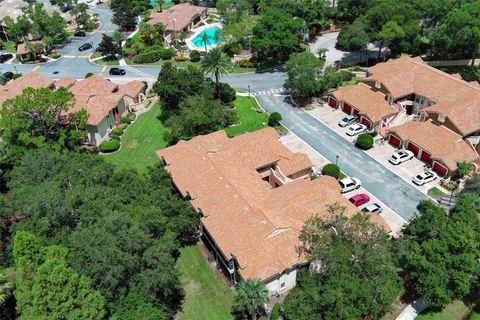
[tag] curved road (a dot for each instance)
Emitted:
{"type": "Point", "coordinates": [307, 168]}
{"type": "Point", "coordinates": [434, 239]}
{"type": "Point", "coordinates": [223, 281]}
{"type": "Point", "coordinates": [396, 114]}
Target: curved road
{"type": "Point", "coordinates": [381, 182]}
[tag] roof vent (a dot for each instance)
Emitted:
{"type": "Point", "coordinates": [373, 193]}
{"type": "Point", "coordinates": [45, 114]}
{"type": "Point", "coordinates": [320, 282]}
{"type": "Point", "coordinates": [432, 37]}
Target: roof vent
{"type": "Point", "coordinates": [378, 85]}
{"type": "Point", "coordinates": [441, 118]}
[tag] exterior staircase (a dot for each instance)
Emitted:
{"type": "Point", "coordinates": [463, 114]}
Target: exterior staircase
{"type": "Point", "coordinates": [447, 202]}
{"type": "Point", "coordinates": [400, 119]}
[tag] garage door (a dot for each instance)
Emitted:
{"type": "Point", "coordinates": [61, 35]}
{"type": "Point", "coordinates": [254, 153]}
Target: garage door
{"type": "Point", "coordinates": [413, 148]}
{"type": "Point", "coordinates": [355, 112]}
{"type": "Point", "coordinates": [366, 122]}
{"type": "Point", "coordinates": [332, 102]}
{"type": "Point", "coordinates": [347, 108]}
{"type": "Point", "coordinates": [426, 157]}
{"type": "Point", "coordinates": [441, 170]}
{"type": "Point", "coordinates": [394, 141]}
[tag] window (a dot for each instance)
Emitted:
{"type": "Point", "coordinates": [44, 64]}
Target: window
{"type": "Point", "coordinates": [282, 286]}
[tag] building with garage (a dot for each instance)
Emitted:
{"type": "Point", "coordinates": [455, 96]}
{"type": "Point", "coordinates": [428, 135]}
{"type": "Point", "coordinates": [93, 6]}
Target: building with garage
{"type": "Point", "coordinates": [429, 104]}
{"type": "Point", "coordinates": [253, 196]}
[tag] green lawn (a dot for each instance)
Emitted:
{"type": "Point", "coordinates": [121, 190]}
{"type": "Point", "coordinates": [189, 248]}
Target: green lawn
{"type": "Point", "coordinates": [237, 69]}
{"type": "Point", "coordinates": [207, 295]}
{"type": "Point", "coordinates": [108, 62]}
{"type": "Point", "coordinates": [9, 46]}
{"type": "Point", "coordinates": [457, 310]}
{"type": "Point", "coordinates": [435, 193]}
{"type": "Point", "coordinates": [140, 141]}
{"type": "Point", "coordinates": [249, 119]}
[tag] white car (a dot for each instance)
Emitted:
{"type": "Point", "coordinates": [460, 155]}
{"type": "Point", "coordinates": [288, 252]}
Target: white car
{"type": "Point", "coordinates": [424, 177]}
{"type": "Point", "coordinates": [355, 129]}
{"type": "Point", "coordinates": [349, 184]}
{"type": "Point", "coordinates": [400, 156]}
{"type": "Point", "coordinates": [373, 208]}
{"type": "Point", "coordinates": [348, 120]}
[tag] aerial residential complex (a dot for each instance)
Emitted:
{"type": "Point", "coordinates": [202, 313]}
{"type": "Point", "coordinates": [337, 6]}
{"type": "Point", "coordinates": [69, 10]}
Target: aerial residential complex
{"type": "Point", "coordinates": [253, 196]}
{"type": "Point", "coordinates": [106, 102]}
{"type": "Point", "coordinates": [427, 111]}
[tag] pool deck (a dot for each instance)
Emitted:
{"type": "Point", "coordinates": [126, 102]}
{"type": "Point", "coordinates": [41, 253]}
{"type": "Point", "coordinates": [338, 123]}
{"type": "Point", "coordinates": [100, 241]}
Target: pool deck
{"type": "Point", "coordinates": [199, 30]}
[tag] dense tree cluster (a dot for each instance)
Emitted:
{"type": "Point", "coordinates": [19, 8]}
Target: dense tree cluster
{"type": "Point", "coordinates": [125, 12]}
{"type": "Point", "coordinates": [120, 230]}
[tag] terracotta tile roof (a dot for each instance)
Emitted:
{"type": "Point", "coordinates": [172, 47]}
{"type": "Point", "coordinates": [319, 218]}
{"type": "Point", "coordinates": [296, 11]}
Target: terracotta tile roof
{"type": "Point", "coordinates": [65, 82]}
{"type": "Point", "coordinates": [455, 98]}
{"type": "Point", "coordinates": [98, 107]}
{"type": "Point", "coordinates": [245, 216]}
{"type": "Point", "coordinates": [94, 85]}
{"type": "Point", "coordinates": [368, 102]}
{"type": "Point", "coordinates": [29, 80]}
{"type": "Point", "coordinates": [132, 88]}
{"type": "Point", "coordinates": [442, 143]}
{"type": "Point", "coordinates": [183, 14]}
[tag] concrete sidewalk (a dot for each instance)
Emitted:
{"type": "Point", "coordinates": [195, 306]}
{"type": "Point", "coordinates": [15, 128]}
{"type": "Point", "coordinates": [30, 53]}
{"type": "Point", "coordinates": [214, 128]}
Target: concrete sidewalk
{"type": "Point", "coordinates": [413, 309]}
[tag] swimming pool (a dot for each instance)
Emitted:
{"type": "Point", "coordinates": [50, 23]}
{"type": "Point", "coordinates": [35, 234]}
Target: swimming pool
{"type": "Point", "coordinates": [198, 41]}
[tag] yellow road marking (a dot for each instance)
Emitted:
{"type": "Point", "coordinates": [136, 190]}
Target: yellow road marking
{"type": "Point", "coordinates": [103, 69]}
{"type": "Point", "coordinates": [84, 57]}
{"type": "Point", "coordinates": [36, 68]}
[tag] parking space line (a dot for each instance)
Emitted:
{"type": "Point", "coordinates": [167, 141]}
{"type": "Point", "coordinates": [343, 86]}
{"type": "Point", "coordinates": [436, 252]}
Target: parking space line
{"type": "Point", "coordinates": [103, 70]}
{"type": "Point", "coordinates": [69, 56]}
{"type": "Point", "coordinates": [36, 68]}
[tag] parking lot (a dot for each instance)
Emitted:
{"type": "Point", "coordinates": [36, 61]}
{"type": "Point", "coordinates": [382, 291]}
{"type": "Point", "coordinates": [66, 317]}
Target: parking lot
{"type": "Point", "coordinates": [380, 152]}
{"type": "Point", "coordinates": [295, 144]}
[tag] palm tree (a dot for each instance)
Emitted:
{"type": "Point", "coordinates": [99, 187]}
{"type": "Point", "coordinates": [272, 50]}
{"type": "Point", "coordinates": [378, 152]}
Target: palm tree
{"type": "Point", "coordinates": [205, 40]}
{"type": "Point", "coordinates": [218, 63]}
{"type": "Point", "coordinates": [6, 288]}
{"type": "Point", "coordinates": [250, 297]}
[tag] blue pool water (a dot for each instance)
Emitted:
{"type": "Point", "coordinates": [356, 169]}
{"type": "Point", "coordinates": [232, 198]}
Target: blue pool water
{"type": "Point", "coordinates": [199, 43]}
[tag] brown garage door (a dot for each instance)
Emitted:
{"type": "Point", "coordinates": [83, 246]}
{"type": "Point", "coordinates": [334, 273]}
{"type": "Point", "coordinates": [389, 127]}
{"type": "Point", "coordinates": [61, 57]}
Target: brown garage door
{"type": "Point", "coordinates": [332, 102]}
{"type": "Point", "coordinates": [394, 140]}
{"type": "Point", "coordinates": [366, 122]}
{"type": "Point", "coordinates": [441, 170]}
{"type": "Point", "coordinates": [347, 108]}
{"type": "Point", "coordinates": [426, 157]}
{"type": "Point", "coordinates": [413, 148]}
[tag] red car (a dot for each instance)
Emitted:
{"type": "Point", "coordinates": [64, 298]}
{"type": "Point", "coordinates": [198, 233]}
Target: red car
{"type": "Point", "coordinates": [359, 199]}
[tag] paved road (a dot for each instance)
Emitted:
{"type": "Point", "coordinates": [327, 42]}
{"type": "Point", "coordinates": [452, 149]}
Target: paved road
{"type": "Point", "coordinates": [378, 180]}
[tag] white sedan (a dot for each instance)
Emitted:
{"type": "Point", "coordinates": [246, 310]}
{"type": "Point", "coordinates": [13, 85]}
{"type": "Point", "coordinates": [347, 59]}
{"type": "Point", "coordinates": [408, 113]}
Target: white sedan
{"type": "Point", "coordinates": [400, 156]}
{"type": "Point", "coordinates": [347, 120]}
{"type": "Point", "coordinates": [349, 184]}
{"type": "Point", "coordinates": [373, 208]}
{"type": "Point", "coordinates": [355, 129]}
{"type": "Point", "coordinates": [424, 177]}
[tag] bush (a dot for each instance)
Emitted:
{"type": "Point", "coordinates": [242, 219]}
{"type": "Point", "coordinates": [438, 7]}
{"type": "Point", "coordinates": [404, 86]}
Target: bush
{"type": "Point", "coordinates": [195, 56]}
{"type": "Point", "coordinates": [245, 63]}
{"type": "Point", "coordinates": [147, 57]}
{"type": "Point", "coordinates": [274, 119]}
{"type": "Point", "coordinates": [119, 129]}
{"type": "Point", "coordinates": [226, 93]}
{"type": "Point", "coordinates": [109, 146]}
{"type": "Point", "coordinates": [346, 75]}
{"type": "Point", "coordinates": [276, 311]}
{"type": "Point", "coordinates": [16, 76]}
{"type": "Point", "coordinates": [129, 118]}
{"type": "Point", "coordinates": [166, 54]}
{"type": "Point", "coordinates": [180, 58]}
{"type": "Point", "coordinates": [364, 141]}
{"type": "Point", "coordinates": [88, 75]}
{"type": "Point", "coordinates": [331, 170]}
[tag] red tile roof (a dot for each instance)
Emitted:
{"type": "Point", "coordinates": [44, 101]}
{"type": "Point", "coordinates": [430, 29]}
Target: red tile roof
{"type": "Point", "coordinates": [177, 17]}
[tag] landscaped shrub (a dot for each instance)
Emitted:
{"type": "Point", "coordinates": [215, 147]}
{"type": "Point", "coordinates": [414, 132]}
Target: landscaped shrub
{"type": "Point", "coordinates": [245, 63]}
{"type": "Point", "coordinates": [276, 311]}
{"type": "Point", "coordinates": [227, 93]}
{"type": "Point", "coordinates": [180, 58]}
{"type": "Point", "coordinates": [119, 129]}
{"type": "Point", "coordinates": [274, 119]}
{"type": "Point", "coordinates": [195, 56]}
{"type": "Point", "coordinates": [16, 76]}
{"type": "Point", "coordinates": [331, 170]}
{"type": "Point", "coordinates": [88, 75]}
{"type": "Point", "coordinates": [129, 118]}
{"type": "Point", "coordinates": [147, 57]}
{"type": "Point", "coordinates": [167, 54]}
{"type": "Point", "coordinates": [109, 146]}
{"type": "Point", "coordinates": [364, 141]}
{"type": "Point", "coordinates": [346, 75]}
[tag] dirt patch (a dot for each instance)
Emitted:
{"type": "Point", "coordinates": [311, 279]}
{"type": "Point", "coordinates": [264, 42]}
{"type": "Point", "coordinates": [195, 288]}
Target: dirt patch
{"type": "Point", "coordinates": [148, 139]}
{"type": "Point", "coordinates": [132, 144]}
{"type": "Point", "coordinates": [191, 289]}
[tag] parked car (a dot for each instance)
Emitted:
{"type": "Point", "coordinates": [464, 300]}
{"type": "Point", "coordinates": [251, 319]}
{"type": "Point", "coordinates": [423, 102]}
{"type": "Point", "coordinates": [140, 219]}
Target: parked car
{"type": "Point", "coordinates": [373, 208]}
{"type": "Point", "coordinates": [349, 184]}
{"type": "Point", "coordinates": [348, 120]}
{"type": "Point", "coordinates": [85, 46]}
{"type": "Point", "coordinates": [117, 71]}
{"type": "Point", "coordinates": [8, 75]}
{"type": "Point", "coordinates": [359, 199]}
{"type": "Point", "coordinates": [5, 57]}
{"type": "Point", "coordinates": [356, 128]}
{"type": "Point", "coordinates": [425, 177]}
{"type": "Point", "coordinates": [400, 156]}
{"type": "Point", "coordinates": [80, 34]}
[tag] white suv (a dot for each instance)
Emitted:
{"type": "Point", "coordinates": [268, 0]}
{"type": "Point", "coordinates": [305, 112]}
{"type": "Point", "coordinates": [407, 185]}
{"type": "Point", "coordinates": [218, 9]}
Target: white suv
{"type": "Point", "coordinates": [349, 184]}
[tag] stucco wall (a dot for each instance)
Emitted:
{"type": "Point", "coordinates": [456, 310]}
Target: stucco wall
{"type": "Point", "coordinates": [289, 278]}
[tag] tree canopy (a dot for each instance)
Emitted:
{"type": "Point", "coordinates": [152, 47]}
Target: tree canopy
{"type": "Point", "coordinates": [303, 74]}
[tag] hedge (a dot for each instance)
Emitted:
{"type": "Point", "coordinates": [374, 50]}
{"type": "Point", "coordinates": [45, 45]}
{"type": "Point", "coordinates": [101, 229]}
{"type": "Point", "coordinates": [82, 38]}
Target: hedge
{"type": "Point", "coordinates": [227, 93]}
{"type": "Point", "coordinates": [364, 141]}
{"type": "Point", "coordinates": [109, 146]}
{"type": "Point", "coordinates": [166, 54]}
{"type": "Point", "coordinates": [245, 63]}
{"type": "Point", "coordinates": [88, 75]}
{"type": "Point", "coordinates": [274, 119]}
{"type": "Point", "coordinates": [119, 129]}
{"type": "Point", "coordinates": [195, 56]}
{"type": "Point", "coordinates": [331, 170]}
{"type": "Point", "coordinates": [129, 118]}
{"type": "Point", "coordinates": [180, 58]}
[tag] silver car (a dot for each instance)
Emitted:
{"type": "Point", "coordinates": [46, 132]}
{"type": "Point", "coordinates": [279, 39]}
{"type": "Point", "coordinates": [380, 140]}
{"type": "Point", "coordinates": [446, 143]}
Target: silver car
{"type": "Point", "coordinates": [347, 120]}
{"type": "Point", "coordinates": [373, 208]}
{"type": "Point", "coordinates": [400, 156]}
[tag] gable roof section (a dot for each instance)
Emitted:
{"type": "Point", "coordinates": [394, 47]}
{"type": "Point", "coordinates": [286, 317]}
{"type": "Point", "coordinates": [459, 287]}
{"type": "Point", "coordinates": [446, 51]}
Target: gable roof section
{"type": "Point", "coordinates": [177, 17]}
{"type": "Point", "coordinates": [453, 97]}
{"type": "Point", "coordinates": [442, 143]}
{"type": "Point", "coordinates": [245, 216]}
{"type": "Point", "coordinates": [29, 80]}
{"type": "Point", "coordinates": [94, 85]}
{"type": "Point", "coordinates": [132, 88]}
{"type": "Point", "coordinates": [66, 82]}
{"type": "Point", "coordinates": [367, 101]}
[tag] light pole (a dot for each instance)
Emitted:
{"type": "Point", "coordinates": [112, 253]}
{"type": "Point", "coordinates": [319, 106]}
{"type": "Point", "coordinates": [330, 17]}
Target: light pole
{"type": "Point", "coordinates": [336, 160]}
{"type": "Point", "coordinates": [248, 91]}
